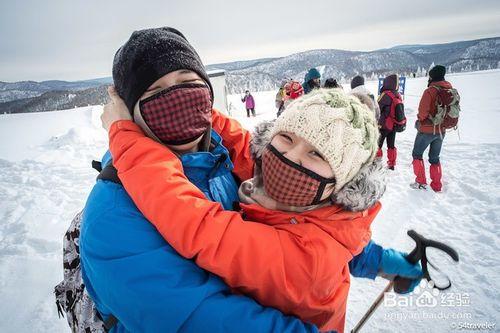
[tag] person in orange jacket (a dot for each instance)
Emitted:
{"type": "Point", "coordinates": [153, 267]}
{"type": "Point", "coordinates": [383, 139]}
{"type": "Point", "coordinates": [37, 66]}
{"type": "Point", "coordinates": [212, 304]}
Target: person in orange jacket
{"type": "Point", "coordinates": [308, 241]}
{"type": "Point", "coordinates": [428, 134]}
{"type": "Point", "coordinates": [136, 281]}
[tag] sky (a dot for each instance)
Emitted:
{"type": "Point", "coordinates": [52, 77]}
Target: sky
{"type": "Point", "coordinates": [77, 39]}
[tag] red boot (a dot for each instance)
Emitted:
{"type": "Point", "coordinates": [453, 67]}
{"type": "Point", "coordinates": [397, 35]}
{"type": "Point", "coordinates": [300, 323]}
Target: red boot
{"type": "Point", "coordinates": [380, 153]}
{"type": "Point", "coordinates": [392, 154]}
{"type": "Point", "coordinates": [419, 171]}
{"type": "Point", "coordinates": [436, 177]}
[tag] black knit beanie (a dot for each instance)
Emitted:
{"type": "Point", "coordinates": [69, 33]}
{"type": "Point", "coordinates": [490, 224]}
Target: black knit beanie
{"type": "Point", "coordinates": [357, 81]}
{"type": "Point", "coordinates": [148, 55]}
{"type": "Point", "coordinates": [437, 73]}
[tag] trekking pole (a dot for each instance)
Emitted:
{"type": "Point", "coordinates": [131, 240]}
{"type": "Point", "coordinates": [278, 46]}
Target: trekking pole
{"type": "Point", "coordinates": [372, 308]}
{"type": "Point", "coordinates": [401, 284]}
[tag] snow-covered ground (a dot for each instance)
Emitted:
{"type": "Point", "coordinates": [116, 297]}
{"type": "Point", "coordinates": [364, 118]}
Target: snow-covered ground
{"type": "Point", "coordinates": [46, 175]}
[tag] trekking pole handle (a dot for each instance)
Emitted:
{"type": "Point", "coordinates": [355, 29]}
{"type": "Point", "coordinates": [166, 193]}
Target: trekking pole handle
{"type": "Point", "coordinates": [402, 284]}
{"type": "Point", "coordinates": [417, 253]}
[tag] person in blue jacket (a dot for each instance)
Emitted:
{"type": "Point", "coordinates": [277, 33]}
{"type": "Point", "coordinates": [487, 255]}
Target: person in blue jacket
{"type": "Point", "coordinates": [129, 270]}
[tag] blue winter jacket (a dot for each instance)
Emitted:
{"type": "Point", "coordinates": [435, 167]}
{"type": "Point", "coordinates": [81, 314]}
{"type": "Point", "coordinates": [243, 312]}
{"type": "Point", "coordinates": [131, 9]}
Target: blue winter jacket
{"type": "Point", "coordinates": [131, 272]}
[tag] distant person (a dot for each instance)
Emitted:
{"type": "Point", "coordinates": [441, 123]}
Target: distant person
{"type": "Point", "coordinates": [359, 90]}
{"type": "Point", "coordinates": [289, 91]}
{"type": "Point", "coordinates": [312, 80]}
{"type": "Point", "coordinates": [293, 90]}
{"type": "Point", "coordinates": [392, 118]}
{"type": "Point", "coordinates": [280, 97]}
{"type": "Point", "coordinates": [438, 110]}
{"type": "Point", "coordinates": [332, 83]}
{"type": "Point", "coordinates": [249, 103]}
{"type": "Point", "coordinates": [358, 86]}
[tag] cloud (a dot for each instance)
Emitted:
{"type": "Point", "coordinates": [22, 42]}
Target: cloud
{"type": "Point", "coordinates": [77, 39]}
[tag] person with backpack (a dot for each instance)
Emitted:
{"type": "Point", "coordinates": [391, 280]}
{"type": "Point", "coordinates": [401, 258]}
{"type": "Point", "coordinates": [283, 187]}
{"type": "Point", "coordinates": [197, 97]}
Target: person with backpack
{"type": "Point", "coordinates": [249, 103]}
{"type": "Point", "coordinates": [438, 111]}
{"type": "Point", "coordinates": [312, 80]}
{"type": "Point", "coordinates": [127, 278]}
{"type": "Point", "coordinates": [293, 90]}
{"type": "Point", "coordinates": [289, 91]}
{"type": "Point", "coordinates": [392, 118]}
{"type": "Point", "coordinates": [136, 281]}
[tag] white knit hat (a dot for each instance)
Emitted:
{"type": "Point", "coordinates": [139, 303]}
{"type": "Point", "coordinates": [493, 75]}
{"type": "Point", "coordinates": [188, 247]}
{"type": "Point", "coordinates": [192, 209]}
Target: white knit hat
{"type": "Point", "coordinates": [338, 125]}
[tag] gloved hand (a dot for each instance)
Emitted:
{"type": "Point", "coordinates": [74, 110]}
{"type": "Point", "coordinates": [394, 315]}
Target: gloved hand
{"type": "Point", "coordinates": [393, 263]}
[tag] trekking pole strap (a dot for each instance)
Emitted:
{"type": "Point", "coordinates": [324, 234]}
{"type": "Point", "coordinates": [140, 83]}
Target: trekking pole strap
{"type": "Point", "coordinates": [97, 165]}
{"type": "Point", "coordinates": [109, 173]}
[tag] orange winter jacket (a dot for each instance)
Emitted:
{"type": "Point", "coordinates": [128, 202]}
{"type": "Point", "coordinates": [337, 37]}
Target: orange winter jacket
{"type": "Point", "coordinates": [427, 106]}
{"type": "Point", "coordinates": [296, 262]}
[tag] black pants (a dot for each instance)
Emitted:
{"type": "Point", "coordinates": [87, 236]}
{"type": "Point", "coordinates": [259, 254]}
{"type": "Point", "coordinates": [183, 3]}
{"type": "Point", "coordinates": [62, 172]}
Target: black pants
{"type": "Point", "coordinates": [248, 112]}
{"type": "Point", "coordinates": [391, 138]}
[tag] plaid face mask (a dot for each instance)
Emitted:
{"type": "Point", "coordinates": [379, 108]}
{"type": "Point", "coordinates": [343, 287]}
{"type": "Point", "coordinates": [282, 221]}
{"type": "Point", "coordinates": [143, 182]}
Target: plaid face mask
{"type": "Point", "coordinates": [179, 114]}
{"type": "Point", "coordinates": [290, 183]}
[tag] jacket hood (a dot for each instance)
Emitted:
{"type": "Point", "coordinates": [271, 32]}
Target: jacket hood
{"type": "Point", "coordinates": [390, 83]}
{"type": "Point", "coordinates": [312, 74]}
{"type": "Point", "coordinates": [359, 194]}
{"type": "Point", "coordinates": [442, 84]}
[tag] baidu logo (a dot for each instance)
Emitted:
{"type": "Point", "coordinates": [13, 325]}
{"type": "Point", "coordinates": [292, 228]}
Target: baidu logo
{"type": "Point", "coordinates": [427, 295]}
{"type": "Point", "coordinates": [424, 296]}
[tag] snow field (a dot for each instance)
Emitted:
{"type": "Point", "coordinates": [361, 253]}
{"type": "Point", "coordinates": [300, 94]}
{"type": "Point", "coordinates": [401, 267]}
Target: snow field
{"type": "Point", "coordinates": [46, 176]}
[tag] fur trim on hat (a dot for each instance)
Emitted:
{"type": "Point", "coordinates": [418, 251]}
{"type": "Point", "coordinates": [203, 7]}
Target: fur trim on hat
{"type": "Point", "coordinates": [362, 192]}
{"type": "Point", "coordinates": [260, 138]}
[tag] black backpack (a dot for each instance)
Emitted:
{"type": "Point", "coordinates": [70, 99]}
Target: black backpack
{"type": "Point", "coordinates": [71, 295]}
